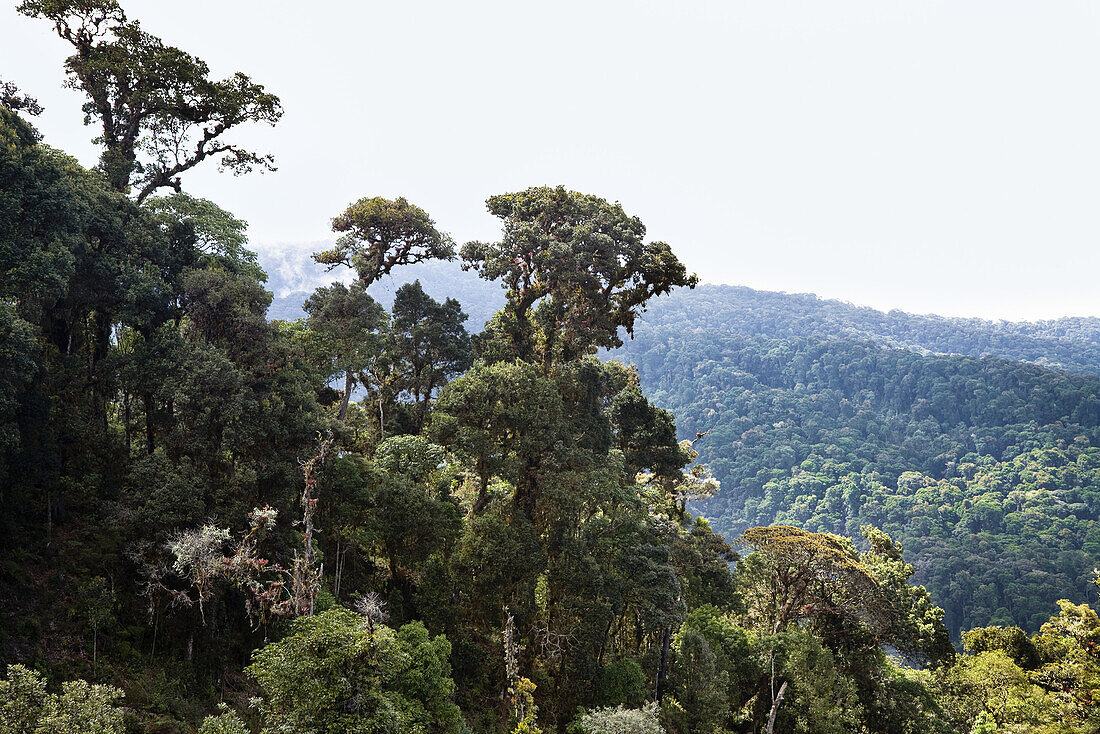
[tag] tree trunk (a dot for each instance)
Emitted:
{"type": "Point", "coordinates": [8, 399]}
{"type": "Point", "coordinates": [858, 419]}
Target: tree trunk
{"type": "Point", "coordinates": [339, 571]}
{"type": "Point", "coordinates": [381, 418]}
{"type": "Point", "coordinates": [662, 668]}
{"type": "Point", "coordinates": [775, 707]}
{"type": "Point", "coordinates": [349, 383]}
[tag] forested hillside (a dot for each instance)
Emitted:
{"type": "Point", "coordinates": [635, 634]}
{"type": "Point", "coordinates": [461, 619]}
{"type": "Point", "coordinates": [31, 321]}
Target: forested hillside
{"type": "Point", "coordinates": [1072, 344]}
{"type": "Point", "coordinates": [813, 420]}
{"type": "Point", "coordinates": [373, 516]}
{"type": "Point", "coordinates": [986, 469]}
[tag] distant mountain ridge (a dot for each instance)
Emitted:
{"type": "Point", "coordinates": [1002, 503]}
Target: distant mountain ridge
{"type": "Point", "coordinates": [292, 276]}
{"type": "Point", "coordinates": [1071, 344]}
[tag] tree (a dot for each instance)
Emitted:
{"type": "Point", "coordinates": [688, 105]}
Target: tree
{"type": "Point", "coordinates": [159, 112]}
{"type": "Point", "coordinates": [798, 582]}
{"type": "Point", "coordinates": [502, 420]}
{"type": "Point", "coordinates": [397, 509]}
{"type": "Point", "coordinates": [347, 323]}
{"type": "Point", "coordinates": [334, 673]}
{"type": "Point", "coordinates": [378, 235]}
{"type": "Point", "coordinates": [19, 355]}
{"type": "Point", "coordinates": [991, 684]}
{"type": "Point", "coordinates": [26, 707]}
{"type": "Point", "coordinates": [798, 575]}
{"type": "Point", "coordinates": [576, 269]}
{"type": "Point", "coordinates": [715, 670]}
{"type": "Point", "coordinates": [429, 344]}
{"type": "Point", "coordinates": [215, 236]}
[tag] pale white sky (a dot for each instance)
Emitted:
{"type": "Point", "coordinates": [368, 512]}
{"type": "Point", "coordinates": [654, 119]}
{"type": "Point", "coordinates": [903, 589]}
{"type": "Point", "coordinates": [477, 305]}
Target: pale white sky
{"type": "Point", "coordinates": [934, 156]}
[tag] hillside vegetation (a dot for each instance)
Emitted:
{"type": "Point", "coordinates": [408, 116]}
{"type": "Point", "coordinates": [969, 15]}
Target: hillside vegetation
{"type": "Point", "coordinates": [365, 518]}
{"type": "Point", "coordinates": [1071, 344]}
{"type": "Point", "coordinates": [985, 469]}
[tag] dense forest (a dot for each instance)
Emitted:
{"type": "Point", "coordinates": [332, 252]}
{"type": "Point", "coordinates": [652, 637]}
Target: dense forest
{"type": "Point", "coordinates": [985, 469]}
{"type": "Point", "coordinates": [1071, 344]}
{"type": "Point", "coordinates": [374, 518]}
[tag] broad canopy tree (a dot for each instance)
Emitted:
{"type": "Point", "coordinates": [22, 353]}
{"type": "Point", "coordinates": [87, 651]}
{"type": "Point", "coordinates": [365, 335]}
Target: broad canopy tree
{"type": "Point", "coordinates": [378, 235]}
{"type": "Point", "coordinates": [797, 582]}
{"type": "Point", "coordinates": [159, 112]}
{"type": "Point", "coordinates": [576, 269]}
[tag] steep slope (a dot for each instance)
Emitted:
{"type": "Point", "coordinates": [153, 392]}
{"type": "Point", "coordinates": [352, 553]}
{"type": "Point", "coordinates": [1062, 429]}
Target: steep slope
{"type": "Point", "coordinates": [985, 469]}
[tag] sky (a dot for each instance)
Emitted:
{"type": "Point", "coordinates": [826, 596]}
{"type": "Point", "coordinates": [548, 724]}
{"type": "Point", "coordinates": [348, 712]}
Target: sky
{"type": "Point", "coordinates": [931, 156]}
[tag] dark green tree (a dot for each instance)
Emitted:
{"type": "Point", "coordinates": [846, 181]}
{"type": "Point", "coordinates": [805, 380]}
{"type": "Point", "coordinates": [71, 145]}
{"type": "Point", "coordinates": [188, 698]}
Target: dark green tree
{"type": "Point", "coordinates": [348, 328]}
{"type": "Point", "coordinates": [429, 344]}
{"type": "Point", "coordinates": [159, 112]}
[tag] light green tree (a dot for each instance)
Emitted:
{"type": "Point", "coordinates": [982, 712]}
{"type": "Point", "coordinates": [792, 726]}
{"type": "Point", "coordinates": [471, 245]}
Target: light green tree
{"type": "Point", "coordinates": [338, 672]}
{"type": "Point", "coordinates": [80, 708]}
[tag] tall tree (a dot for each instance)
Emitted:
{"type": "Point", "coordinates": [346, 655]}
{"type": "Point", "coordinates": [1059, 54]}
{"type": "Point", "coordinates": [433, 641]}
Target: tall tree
{"type": "Point", "coordinates": [798, 583]}
{"type": "Point", "coordinates": [577, 269]}
{"type": "Point", "coordinates": [429, 344]}
{"type": "Point", "coordinates": [347, 322]}
{"type": "Point", "coordinates": [159, 112]}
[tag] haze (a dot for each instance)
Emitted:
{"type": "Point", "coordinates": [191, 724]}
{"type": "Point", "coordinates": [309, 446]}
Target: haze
{"type": "Point", "coordinates": [928, 156]}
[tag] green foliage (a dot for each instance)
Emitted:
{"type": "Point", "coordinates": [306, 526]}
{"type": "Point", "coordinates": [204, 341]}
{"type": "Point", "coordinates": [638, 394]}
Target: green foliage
{"type": "Point", "coordinates": [22, 699]}
{"type": "Point", "coordinates": [727, 648]}
{"type": "Point", "coordinates": [982, 468]}
{"type": "Point", "coordinates": [699, 685]}
{"type": "Point", "coordinates": [227, 722]}
{"type": "Point", "coordinates": [332, 674]}
{"type": "Point", "coordinates": [218, 235]}
{"type": "Point", "coordinates": [1012, 641]}
{"type": "Point", "coordinates": [622, 682]}
{"type": "Point", "coordinates": [26, 707]}
{"type": "Point", "coordinates": [524, 709]}
{"type": "Point", "coordinates": [1069, 343]}
{"type": "Point", "coordinates": [429, 345]}
{"type": "Point", "coordinates": [823, 616]}
{"type": "Point", "coordinates": [19, 354]}
{"type": "Point", "coordinates": [533, 501]}
{"type": "Point", "coordinates": [377, 235]}
{"type": "Point", "coordinates": [824, 698]}
{"type": "Point", "coordinates": [619, 720]}
{"type": "Point", "coordinates": [345, 325]}
{"type": "Point", "coordinates": [159, 112]}
{"type": "Point", "coordinates": [990, 683]}
{"type": "Point", "coordinates": [498, 418]}
{"type": "Point", "coordinates": [576, 269]}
